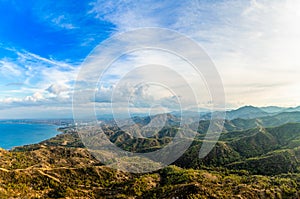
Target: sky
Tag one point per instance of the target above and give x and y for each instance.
(44, 46)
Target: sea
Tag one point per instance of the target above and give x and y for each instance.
(19, 134)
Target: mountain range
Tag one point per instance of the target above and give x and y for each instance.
(256, 156)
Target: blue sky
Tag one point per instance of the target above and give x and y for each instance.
(61, 30)
(40, 39)
(253, 44)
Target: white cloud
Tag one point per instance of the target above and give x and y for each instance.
(128, 15)
(35, 97)
(57, 89)
(251, 42)
(62, 22)
(254, 45)
(41, 82)
(140, 81)
(9, 69)
(27, 100)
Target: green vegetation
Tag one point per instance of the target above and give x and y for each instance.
(172, 181)
(250, 160)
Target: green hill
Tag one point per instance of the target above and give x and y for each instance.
(250, 160)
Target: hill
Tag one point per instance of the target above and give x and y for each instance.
(254, 158)
(56, 169)
(246, 112)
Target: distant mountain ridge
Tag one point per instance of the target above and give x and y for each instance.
(246, 112)
(251, 112)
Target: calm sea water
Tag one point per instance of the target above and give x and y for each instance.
(12, 135)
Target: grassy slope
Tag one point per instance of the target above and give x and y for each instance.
(75, 174)
(61, 167)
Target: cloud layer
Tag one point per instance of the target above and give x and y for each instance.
(254, 45)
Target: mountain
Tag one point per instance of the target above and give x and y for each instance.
(246, 112)
(276, 109)
(243, 142)
(273, 109)
(280, 118)
(254, 158)
(62, 168)
(293, 109)
(266, 121)
(266, 151)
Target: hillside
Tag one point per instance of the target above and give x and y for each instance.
(246, 112)
(64, 171)
(250, 160)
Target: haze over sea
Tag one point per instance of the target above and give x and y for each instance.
(16, 134)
